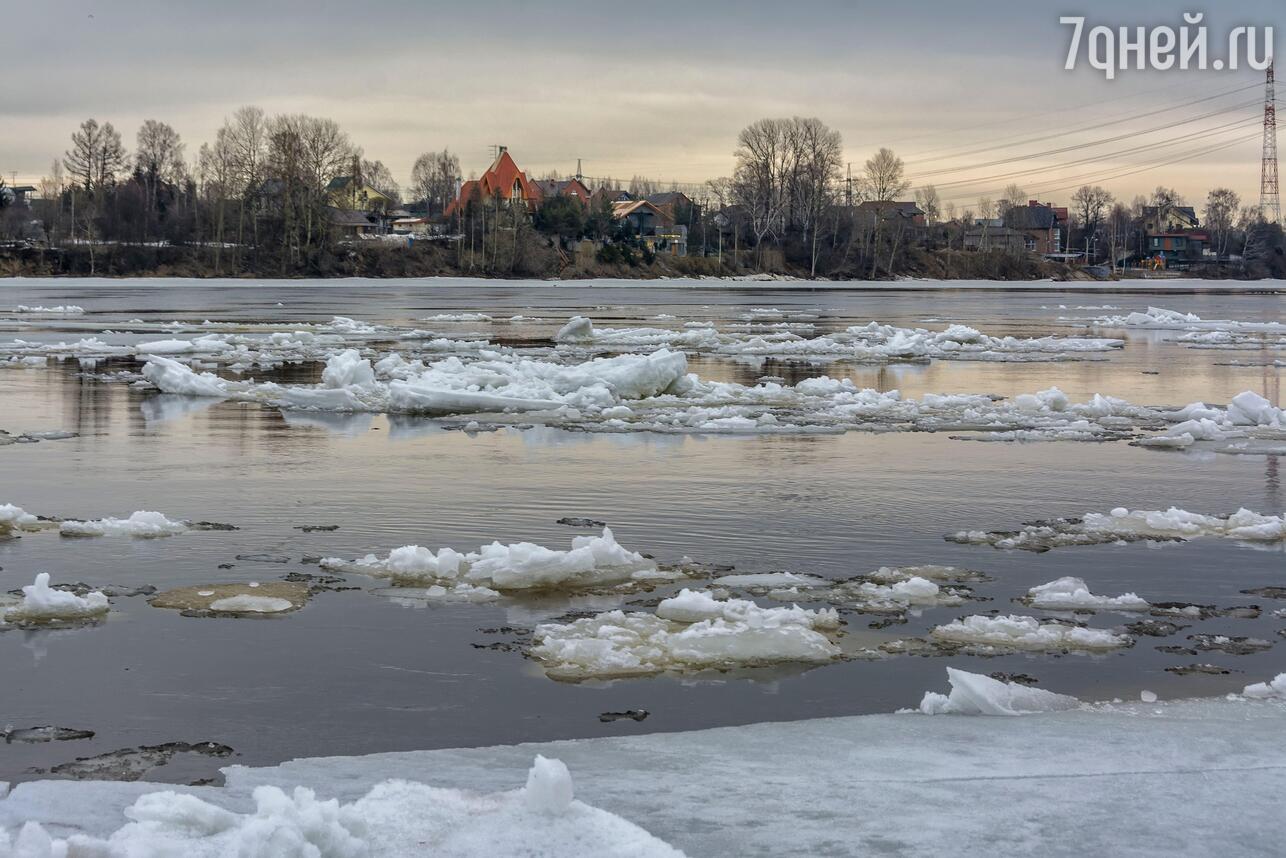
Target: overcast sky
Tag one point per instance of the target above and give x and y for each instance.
(656, 88)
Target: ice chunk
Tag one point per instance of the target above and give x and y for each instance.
(592, 561)
(549, 787)
(42, 603)
(1073, 594)
(394, 818)
(142, 523)
(170, 376)
(60, 310)
(14, 519)
(252, 604)
(577, 328)
(1027, 633)
(722, 635)
(975, 694)
(1274, 688)
(1124, 525)
(346, 369)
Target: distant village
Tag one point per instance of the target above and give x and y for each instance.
(290, 196)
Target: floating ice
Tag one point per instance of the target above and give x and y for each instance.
(1027, 633)
(251, 604)
(1161, 318)
(1073, 594)
(975, 694)
(60, 310)
(1124, 525)
(691, 631)
(42, 603)
(1273, 689)
(15, 519)
(870, 342)
(142, 523)
(395, 818)
(458, 317)
(592, 561)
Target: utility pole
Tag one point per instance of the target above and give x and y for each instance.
(1270, 207)
(848, 187)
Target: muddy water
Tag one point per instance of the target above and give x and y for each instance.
(356, 672)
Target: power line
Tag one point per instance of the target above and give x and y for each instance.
(1093, 127)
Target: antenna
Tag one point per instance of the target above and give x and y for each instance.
(1270, 207)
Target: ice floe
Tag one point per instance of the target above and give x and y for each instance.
(888, 590)
(690, 632)
(252, 598)
(16, 520)
(1016, 632)
(42, 604)
(60, 310)
(542, 819)
(1073, 594)
(144, 524)
(873, 342)
(1125, 525)
(1161, 318)
(975, 694)
(1273, 689)
(592, 561)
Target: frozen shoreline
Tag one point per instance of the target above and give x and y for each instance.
(1191, 777)
(1175, 285)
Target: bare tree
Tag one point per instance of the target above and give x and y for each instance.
(435, 178)
(96, 155)
(765, 165)
(1119, 223)
(158, 160)
(1222, 205)
(819, 156)
(1090, 205)
(1011, 197)
(927, 199)
(884, 177)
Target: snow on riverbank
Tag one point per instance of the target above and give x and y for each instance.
(592, 561)
(1175, 773)
(394, 818)
(1125, 525)
(690, 631)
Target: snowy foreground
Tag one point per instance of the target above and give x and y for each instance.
(1198, 777)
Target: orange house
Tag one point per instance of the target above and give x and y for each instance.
(502, 179)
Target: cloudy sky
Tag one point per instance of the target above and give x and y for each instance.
(969, 94)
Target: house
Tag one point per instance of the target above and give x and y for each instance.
(548, 189)
(611, 195)
(1178, 247)
(18, 195)
(642, 216)
(410, 225)
(675, 204)
(502, 180)
(986, 236)
(668, 240)
(874, 213)
(1161, 219)
(348, 223)
(350, 192)
(1043, 224)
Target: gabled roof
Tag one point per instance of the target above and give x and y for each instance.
(346, 217)
(624, 208)
(890, 208)
(666, 198)
(1031, 217)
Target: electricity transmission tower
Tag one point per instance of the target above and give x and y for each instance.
(1270, 207)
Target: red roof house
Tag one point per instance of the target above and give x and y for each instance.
(502, 179)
